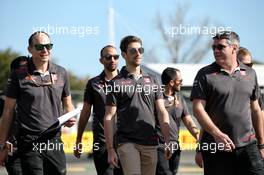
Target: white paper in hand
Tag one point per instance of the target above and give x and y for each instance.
(64, 118)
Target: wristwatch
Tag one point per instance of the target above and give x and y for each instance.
(2, 147)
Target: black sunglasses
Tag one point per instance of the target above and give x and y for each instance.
(249, 64)
(133, 51)
(109, 57)
(40, 47)
(218, 47)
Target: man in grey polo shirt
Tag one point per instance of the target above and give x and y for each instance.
(134, 95)
(39, 88)
(224, 94)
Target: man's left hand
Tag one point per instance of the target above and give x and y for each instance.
(70, 122)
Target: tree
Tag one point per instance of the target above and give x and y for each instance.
(77, 86)
(6, 57)
(181, 46)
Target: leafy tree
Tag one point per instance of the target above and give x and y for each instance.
(6, 57)
(182, 48)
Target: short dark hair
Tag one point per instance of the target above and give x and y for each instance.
(127, 40)
(230, 36)
(17, 61)
(107, 46)
(169, 74)
(30, 40)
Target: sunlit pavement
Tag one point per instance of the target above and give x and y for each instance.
(84, 166)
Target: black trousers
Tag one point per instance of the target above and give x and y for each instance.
(101, 162)
(44, 158)
(241, 161)
(167, 167)
(13, 165)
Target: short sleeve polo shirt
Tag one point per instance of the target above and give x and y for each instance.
(177, 110)
(135, 102)
(228, 99)
(95, 95)
(39, 97)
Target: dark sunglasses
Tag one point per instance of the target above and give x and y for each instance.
(109, 57)
(133, 51)
(40, 47)
(249, 64)
(218, 47)
(179, 81)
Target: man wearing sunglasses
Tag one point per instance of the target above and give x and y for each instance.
(38, 88)
(178, 111)
(224, 95)
(136, 135)
(245, 57)
(94, 96)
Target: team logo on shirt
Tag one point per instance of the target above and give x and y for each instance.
(147, 80)
(124, 82)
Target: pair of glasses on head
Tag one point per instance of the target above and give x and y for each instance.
(218, 47)
(40, 47)
(109, 57)
(133, 51)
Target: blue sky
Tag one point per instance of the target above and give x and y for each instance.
(79, 52)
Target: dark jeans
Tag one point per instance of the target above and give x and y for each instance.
(41, 161)
(167, 167)
(13, 165)
(242, 161)
(100, 161)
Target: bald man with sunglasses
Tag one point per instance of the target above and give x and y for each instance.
(95, 96)
(40, 89)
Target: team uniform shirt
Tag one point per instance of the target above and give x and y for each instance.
(95, 95)
(228, 99)
(177, 110)
(135, 101)
(39, 97)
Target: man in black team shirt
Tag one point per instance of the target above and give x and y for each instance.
(94, 96)
(134, 95)
(224, 94)
(178, 110)
(13, 163)
(245, 57)
(37, 89)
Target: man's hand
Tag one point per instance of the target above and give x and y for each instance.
(78, 150)
(3, 156)
(112, 157)
(225, 140)
(70, 122)
(167, 154)
(199, 159)
(261, 153)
